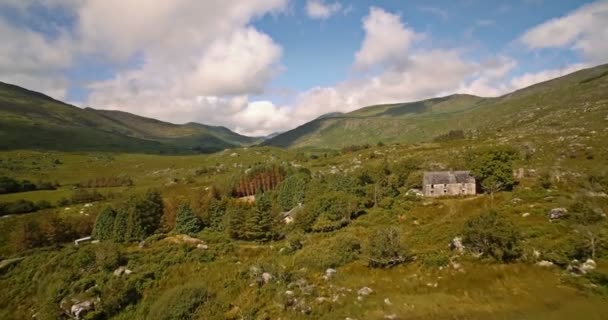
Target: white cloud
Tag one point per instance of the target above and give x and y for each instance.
(386, 39)
(529, 79)
(318, 9)
(585, 30)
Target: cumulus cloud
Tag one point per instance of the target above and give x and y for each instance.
(529, 79)
(584, 30)
(386, 39)
(318, 9)
(204, 61)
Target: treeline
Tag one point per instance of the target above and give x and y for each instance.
(49, 230)
(355, 148)
(107, 182)
(10, 185)
(135, 219)
(79, 196)
(261, 178)
(450, 136)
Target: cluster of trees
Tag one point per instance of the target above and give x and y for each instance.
(355, 148)
(136, 219)
(10, 185)
(450, 136)
(106, 182)
(261, 178)
(255, 222)
(493, 168)
(49, 230)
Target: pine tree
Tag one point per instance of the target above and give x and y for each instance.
(144, 215)
(216, 213)
(104, 225)
(120, 230)
(186, 222)
(258, 225)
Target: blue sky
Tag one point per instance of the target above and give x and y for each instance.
(267, 65)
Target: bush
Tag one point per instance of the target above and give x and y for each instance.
(330, 253)
(328, 211)
(386, 249)
(186, 222)
(180, 303)
(492, 235)
(108, 257)
(144, 215)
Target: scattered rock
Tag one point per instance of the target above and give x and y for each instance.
(516, 200)
(391, 316)
(536, 253)
(457, 245)
(589, 265)
(432, 284)
(321, 299)
(142, 244)
(183, 238)
(525, 214)
(544, 263)
(329, 273)
(289, 293)
(266, 277)
(234, 154)
(388, 302)
(80, 309)
(557, 213)
(365, 291)
(122, 270)
(202, 246)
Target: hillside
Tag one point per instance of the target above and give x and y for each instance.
(31, 120)
(425, 120)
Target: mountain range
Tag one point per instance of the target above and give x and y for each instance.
(31, 120)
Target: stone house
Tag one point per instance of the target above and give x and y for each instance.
(448, 183)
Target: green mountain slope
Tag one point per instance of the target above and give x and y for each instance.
(422, 121)
(30, 119)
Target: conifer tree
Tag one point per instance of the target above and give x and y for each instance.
(120, 230)
(104, 225)
(186, 222)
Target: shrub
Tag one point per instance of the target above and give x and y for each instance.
(86, 196)
(108, 257)
(328, 211)
(582, 212)
(386, 249)
(186, 222)
(492, 235)
(330, 253)
(180, 303)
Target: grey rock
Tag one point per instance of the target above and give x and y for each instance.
(589, 265)
(457, 245)
(557, 213)
(266, 277)
(544, 263)
(80, 309)
(365, 291)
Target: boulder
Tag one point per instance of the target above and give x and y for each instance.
(202, 246)
(415, 192)
(388, 302)
(525, 214)
(329, 273)
(365, 291)
(457, 245)
(266, 277)
(80, 309)
(544, 263)
(122, 270)
(589, 265)
(558, 213)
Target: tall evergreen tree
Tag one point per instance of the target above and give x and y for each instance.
(145, 213)
(104, 224)
(186, 222)
(259, 223)
(121, 222)
(216, 214)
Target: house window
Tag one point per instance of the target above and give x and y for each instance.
(445, 191)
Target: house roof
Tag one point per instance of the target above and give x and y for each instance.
(448, 177)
